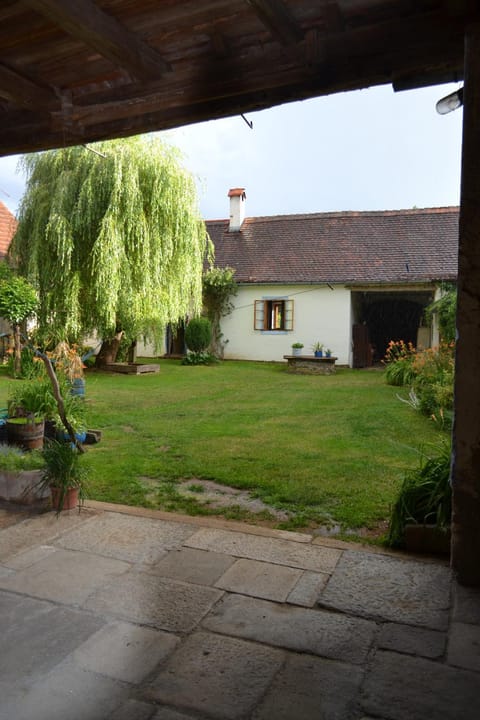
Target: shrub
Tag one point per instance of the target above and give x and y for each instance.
(198, 334)
(434, 371)
(424, 497)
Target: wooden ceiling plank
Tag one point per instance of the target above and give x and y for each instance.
(103, 33)
(22, 92)
(276, 16)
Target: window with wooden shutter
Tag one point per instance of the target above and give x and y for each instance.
(273, 314)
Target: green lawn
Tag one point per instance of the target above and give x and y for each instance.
(320, 447)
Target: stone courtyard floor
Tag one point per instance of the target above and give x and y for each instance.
(127, 613)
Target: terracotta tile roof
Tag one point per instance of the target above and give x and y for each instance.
(394, 246)
(8, 225)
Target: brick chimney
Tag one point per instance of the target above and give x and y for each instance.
(237, 208)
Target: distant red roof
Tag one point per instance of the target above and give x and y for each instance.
(8, 226)
(394, 246)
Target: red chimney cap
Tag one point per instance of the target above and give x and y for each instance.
(236, 192)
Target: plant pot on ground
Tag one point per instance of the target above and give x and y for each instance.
(63, 474)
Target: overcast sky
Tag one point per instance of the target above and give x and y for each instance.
(367, 150)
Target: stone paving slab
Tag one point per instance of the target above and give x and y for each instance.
(40, 530)
(464, 647)
(30, 557)
(309, 687)
(128, 538)
(308, 589)
(384, 588)
(138, 710)
(327, 634)
(124, 651)
(37, 635)
(150, 600)
(281, 552)
(200, 567)
(8, 518)
(259, 579)
(168, 714)
(466, 607)
(64, 576)
(134, 710)
(220, 676)
(66, 693)
(412, 640)
(400, 687)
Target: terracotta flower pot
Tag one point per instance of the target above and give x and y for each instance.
(70, 500)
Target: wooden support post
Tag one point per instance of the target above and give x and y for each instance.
(466, 431)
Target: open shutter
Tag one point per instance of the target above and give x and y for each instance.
(288, 314)
(259, 315)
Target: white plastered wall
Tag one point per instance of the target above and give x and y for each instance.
(320, 313)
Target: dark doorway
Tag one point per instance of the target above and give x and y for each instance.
(175, 340)
(390, 316)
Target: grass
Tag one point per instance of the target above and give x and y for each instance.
(324, 448)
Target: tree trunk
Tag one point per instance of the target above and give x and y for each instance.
(109, 350)
(17, 356)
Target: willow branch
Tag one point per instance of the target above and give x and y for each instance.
(59, 400)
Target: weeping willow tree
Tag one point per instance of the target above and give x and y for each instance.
(112, 238)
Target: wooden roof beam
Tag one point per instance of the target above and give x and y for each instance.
(101, 32)
(21, 92)
(276, 16)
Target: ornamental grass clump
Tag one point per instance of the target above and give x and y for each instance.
(425, 496)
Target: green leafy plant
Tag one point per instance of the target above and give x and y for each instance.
(13, 459)
(218, 289)
(32, 397)
(425, 496)
(445, 308)
(399, 363)
(199, 358)
(317, 346)
(63, 470)
(434, 371)
(298, 345)
(198, 334)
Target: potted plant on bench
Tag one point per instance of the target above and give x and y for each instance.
(317, 349)
(297, 348)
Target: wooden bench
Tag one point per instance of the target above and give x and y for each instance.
(310, 365)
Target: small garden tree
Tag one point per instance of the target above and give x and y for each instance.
(113, 239)
(198, 334)
(18, 301)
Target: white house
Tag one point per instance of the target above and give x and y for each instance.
(351, 280)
